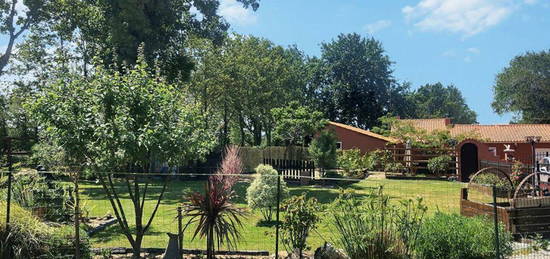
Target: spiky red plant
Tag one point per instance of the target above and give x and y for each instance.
(217, 219)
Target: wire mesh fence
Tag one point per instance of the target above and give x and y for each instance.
(113, 206)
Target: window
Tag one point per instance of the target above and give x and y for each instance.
(493, 150)
(339, 145)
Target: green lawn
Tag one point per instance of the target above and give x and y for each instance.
(438, 195)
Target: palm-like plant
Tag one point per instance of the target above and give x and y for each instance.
(216, 218)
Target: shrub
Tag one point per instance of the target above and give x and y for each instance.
(300, 218)
(351, 161)
(368, 229)
(454, 236)
(49, 156)
(28, 237)
(32, 191)
(518, 173)
(262, 192)
(395, 167)
(377, 159)
(323, 150)
(491, 179)
(439, 164)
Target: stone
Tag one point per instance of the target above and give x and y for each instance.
(328, 251)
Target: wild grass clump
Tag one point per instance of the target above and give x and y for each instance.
(28, 237)
(373, 228)
(454, 236)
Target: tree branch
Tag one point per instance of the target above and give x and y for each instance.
(121, 219)
(157, 205)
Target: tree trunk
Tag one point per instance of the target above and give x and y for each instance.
(136, 248)
(210, 243)
(241, 125)
(257, 133)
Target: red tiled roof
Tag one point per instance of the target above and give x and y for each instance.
(505, 132)
(429, 124)
(362, 131)
(492, 133)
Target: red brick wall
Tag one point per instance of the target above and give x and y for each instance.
(351, 139)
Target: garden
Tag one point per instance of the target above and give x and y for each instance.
(370, 218)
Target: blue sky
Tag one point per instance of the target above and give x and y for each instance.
(460, 42)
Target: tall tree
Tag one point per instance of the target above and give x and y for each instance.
(113, 30)
(438, 101)
(524, 88)
(294, 122)
(241, 81)
(113, 121)
(16, 17)
(353, 79)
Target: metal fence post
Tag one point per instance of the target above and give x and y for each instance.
(10, 179)
(497, 247)
(76, 217)
(277, 215)
(180, 232)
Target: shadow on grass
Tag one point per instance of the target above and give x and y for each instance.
(115, 232)
(266, 223)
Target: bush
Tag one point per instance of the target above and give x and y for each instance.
(439, 164)
(28, 237)
(395, 167)
(352, 162)
(49, 156)
(377, 159)
(52, 200)
(300, 218)
(492, 179)
(454, 236)
(262, 192)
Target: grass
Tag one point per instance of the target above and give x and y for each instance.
(256, 235)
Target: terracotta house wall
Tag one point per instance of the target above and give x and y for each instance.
(522, 152)
(351, 139)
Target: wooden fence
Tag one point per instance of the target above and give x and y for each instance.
(302, 171)
(416, 159)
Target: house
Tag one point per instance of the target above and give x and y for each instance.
(350, 137)
(493, 143)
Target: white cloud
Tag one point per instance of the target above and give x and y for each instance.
(235, 13)
(530, 2)
(473, 50)
(449, 53)
(467, 17)
(379, 25)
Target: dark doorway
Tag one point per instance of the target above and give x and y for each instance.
(468, 161)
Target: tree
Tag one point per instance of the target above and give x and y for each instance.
(114, 29)
(294, 122)
(300, 218)
(114, 121)
(323, 149)
(352, 80)
(216, 218)
(524, 88)
(438, 101)
(262, 192)
(240, 82)
(16, 17)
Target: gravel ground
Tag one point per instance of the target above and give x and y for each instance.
(524, 249)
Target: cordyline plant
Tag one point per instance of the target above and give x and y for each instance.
(217, 219)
